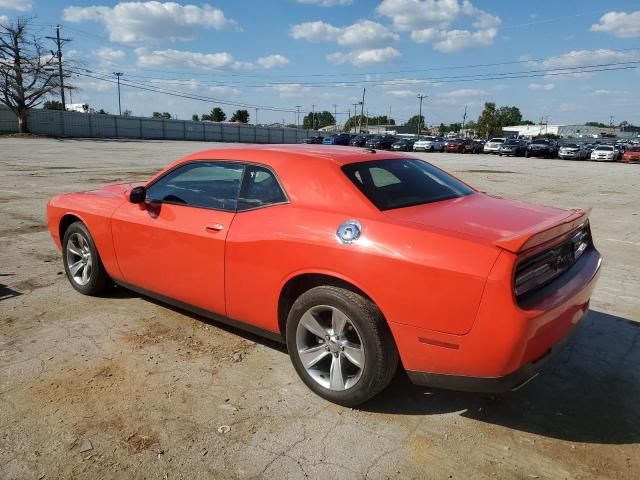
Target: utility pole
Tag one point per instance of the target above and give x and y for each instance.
(298, 116)
(313, 116)
(58, 54)
(611, 121)
(355, 112)
(335, 117)
(546, 125)
(464, 117)
(118, 75)
(420, 98)
(364, 90)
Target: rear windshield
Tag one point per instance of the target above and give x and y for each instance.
(401, 183)
(605, 148)
(634, 149)
(497, 140)
(571, 145)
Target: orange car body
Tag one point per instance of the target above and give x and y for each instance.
(441, 273)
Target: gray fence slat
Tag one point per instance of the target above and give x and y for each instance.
(57, 123)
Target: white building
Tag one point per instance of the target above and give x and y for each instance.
(566, 131)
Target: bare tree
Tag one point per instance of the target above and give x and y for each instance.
(27, 70)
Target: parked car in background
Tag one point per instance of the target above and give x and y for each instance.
(459, 145)
(632, 155)
(588, 148)
(573, 151)
(429, 144)
(542, 147)
(605, 153)
(381, 142)
(301, 244)
(513, 147)
(478, 146)
(339, 139)
(621, 148)
(493, 145)
(403, 145)
(359, 140)
(316, 139)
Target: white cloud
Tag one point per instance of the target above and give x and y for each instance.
(429, 21)
(577, 58)
(94, 86)
(189, 84)
(458, 40)
(223, 90)
(619, 24)
(109, 56)
(271, 61)
(363, 34)
(402, 93)
(327, 3)
(4, 19)
(464, 93)
(182, 58)
(291, 89)
(364, 57)
(609, 93)
(19, 5)
(134, 22)
(541, 86)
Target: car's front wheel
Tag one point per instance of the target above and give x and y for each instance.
(340, 345)
(82, 263)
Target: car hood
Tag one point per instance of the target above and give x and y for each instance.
(490, 220)
(115, 190)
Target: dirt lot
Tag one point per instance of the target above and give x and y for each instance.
(160, 394)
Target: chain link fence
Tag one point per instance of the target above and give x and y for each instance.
(56, 123)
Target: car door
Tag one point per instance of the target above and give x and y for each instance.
(173, 244)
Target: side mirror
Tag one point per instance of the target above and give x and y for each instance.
(138, 195)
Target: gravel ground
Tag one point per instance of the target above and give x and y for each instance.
(123, 387)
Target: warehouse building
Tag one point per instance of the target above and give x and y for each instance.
(568, 131)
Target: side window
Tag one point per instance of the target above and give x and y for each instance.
(200, 184)
(259, 188)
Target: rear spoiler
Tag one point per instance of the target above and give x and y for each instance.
(544, 232)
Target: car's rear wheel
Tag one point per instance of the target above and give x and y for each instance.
(340, 345)
(82, 262)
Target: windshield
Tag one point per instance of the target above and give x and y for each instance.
(497, 140)
(401, 183)
(511, 142)
(540, 142)
(605, 148)
(634, 149)
(427, 139)
(571, 145)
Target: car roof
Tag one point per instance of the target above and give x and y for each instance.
(275, 154)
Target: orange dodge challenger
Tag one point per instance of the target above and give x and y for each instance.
(357, 259)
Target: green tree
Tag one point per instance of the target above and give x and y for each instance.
(195, 117)
(415, 121)
(487, 124)
(508, 116)
(165, 115)
(321, 119)
(596, 124)
(241, 116)
(52, 105)
(216, 115)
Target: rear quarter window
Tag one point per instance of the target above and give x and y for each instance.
(399, 183)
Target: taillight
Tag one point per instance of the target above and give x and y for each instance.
(540, 269)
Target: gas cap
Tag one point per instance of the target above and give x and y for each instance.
(349, 231)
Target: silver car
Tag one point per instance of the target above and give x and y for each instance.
(493, 145)
(573, 151)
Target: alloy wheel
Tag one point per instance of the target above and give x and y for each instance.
(79, 259)
(330, 347)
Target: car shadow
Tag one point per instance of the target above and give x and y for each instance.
(590, 392)
(7, 292)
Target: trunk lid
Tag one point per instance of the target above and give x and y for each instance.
(510, 224)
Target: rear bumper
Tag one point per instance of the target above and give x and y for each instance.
(508, 344)
(505, 383)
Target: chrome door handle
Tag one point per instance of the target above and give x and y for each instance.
(216, 227)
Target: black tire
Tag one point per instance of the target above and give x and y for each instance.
(381, 355)
(526, 154)
(98, 280)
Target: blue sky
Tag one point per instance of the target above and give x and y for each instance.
(282, 53)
